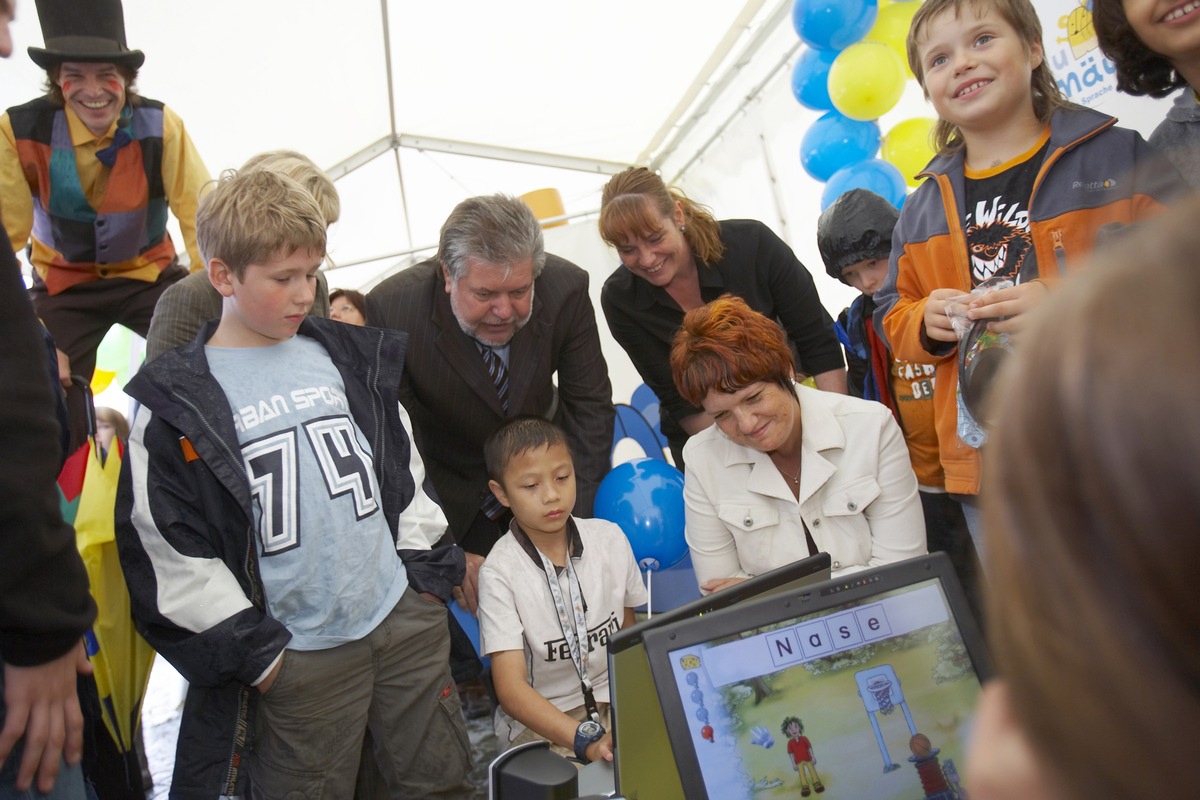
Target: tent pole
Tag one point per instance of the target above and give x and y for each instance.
(752, 95)
(719, 54)
(403, 197)
(776, 194)
(684, 127)
(395, 141)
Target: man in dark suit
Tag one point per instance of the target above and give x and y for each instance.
(491, 320)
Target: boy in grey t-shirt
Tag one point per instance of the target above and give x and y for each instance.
(276, 530)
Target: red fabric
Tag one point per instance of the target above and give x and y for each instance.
(932, 779)
(881, 369)
(800, 749)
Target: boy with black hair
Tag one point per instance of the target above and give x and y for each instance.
(275, 529)
(552, 592)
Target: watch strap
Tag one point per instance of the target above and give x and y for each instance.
(582, 740)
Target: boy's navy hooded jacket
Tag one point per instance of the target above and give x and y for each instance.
(186, 537)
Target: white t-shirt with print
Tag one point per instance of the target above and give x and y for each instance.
(517, 612)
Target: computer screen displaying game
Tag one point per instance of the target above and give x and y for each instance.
(645, 769)
(870, 698)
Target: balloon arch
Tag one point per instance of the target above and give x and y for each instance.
(854, 68)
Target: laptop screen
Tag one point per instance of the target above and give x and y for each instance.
(864, 686)
(645, 769)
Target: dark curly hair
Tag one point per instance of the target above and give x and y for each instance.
(788, 721)
(1140, 70)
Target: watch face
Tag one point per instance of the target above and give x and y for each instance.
(590, 728)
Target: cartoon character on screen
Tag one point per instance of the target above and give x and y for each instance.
(803, 759)
(938, 782)
(881, 693)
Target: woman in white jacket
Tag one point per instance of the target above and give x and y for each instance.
(786, 471)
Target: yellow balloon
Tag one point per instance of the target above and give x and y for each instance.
(102, 379)
(866, 80)
(907, 146)
(891, 28)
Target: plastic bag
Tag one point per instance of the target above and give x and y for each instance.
(981, 351)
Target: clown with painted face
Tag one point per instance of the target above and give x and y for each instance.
(87, 174)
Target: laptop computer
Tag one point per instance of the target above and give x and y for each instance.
(865, 685)
(644, 768)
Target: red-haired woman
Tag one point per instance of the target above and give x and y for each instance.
(786, 471)
(677, 257)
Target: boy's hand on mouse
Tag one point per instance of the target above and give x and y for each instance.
(602, 748)
(937, 324)
(1014, 302)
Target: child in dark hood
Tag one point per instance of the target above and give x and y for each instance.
(854, 236)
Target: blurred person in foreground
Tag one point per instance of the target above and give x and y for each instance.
(45, 607)
(1091, 512)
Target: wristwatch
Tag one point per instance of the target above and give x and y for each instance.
(588, 731)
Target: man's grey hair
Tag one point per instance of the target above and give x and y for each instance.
(496, 229)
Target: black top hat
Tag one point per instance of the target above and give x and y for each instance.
(83, 30)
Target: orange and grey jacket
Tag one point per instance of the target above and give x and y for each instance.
(128, 229)
(1094, 174)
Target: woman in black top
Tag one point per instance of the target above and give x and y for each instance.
(675, 257)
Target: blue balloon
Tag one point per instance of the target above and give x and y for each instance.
(646, 402)
(470, 626)
(630, 424)
(645, 498)
(874, 174)
(835, 141)
(833, 24)
(810, 79)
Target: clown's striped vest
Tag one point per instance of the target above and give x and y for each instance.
(131, 221)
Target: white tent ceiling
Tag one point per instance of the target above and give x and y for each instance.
(592, 86)
(700, 90)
